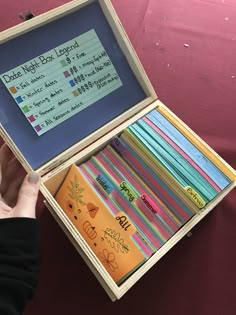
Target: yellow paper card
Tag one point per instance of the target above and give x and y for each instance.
(109, 237)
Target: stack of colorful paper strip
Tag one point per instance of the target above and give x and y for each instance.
(145, 185)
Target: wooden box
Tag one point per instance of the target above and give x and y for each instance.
(32, 38)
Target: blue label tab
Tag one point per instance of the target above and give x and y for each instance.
(105, 183)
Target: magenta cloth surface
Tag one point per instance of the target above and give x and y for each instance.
(188, 50)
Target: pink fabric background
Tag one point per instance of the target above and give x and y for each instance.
(198, 83)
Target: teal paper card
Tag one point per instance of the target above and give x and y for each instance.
(60, 83)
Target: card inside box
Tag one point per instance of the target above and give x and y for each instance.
(81, 140)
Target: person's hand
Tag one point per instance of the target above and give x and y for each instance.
(18, 193)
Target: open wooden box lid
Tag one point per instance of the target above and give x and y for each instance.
(35, 54)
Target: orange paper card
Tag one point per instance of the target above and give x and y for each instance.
(109, 237)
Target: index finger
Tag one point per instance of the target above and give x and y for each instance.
(5, 156)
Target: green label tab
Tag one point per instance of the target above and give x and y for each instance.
(128, 192)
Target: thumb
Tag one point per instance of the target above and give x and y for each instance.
(27, 196)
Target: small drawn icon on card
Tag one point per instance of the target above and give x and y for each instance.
(92, 209)
(89, 230)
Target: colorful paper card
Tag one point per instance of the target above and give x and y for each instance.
(60, 83)
(189, 148)
(147, 195)
(104, 233)
(127, 206)
(129, 190)
(101, 190)
(175, 160)
(182, 153)
(155, 182)
(166, 172)
(213, 158)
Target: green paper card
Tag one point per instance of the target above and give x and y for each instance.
(60, 83)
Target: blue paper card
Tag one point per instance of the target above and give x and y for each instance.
(198, 157)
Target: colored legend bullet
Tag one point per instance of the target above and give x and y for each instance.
(31, 118)
(63, 63)
(72, 83)
(66, 74)
(75, 93)
(19, 99)
(37, 128)
(13, 90)
(25, 109)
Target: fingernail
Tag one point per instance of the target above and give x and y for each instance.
(33, 178)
